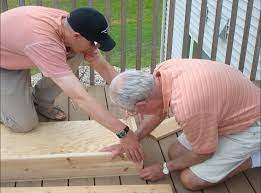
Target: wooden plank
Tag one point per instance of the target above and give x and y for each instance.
(170, 28)
(254, 177)
(108, 18)
(139, 36)
(239, 184)
(55, 183)
(153, 155)
(154, 35)
(245, 35)
(75, 113)
(113, 180)
(185, 46)
(165, 144)
(216, 30)
(166, 128)
(29, 184)
(123, 35)
(219, 188)
(232, 27)
(7, 184)
(256, 52)
(4, 5)
(21, 2)
(201, 28)
(61, 149)
(96, 189)
(81, 182)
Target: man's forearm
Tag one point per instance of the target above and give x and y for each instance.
(148, 125)
(187, 160)
(106, 70)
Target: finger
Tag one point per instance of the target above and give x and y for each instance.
(133, 156)
(138, 155)
(141, 154)
(128, 154)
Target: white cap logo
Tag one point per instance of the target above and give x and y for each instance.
(105, 31)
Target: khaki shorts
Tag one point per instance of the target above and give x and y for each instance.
(232, 151)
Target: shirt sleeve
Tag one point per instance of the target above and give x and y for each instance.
(201, 131)
(49, 57)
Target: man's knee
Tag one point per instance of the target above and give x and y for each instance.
(191, 181)
(176, 150)
(22, 126)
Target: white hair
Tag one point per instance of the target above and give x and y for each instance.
(130, 87)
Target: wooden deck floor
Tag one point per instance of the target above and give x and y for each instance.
(156, 151)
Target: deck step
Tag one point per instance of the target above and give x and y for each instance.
(97, 189)
(58, 150)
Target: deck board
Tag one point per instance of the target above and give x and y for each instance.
(247, 182)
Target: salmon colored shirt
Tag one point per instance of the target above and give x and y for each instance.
(208, 99)
(33, 36)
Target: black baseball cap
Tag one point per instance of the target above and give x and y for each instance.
(92, 25)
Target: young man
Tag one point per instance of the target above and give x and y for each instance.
(55, 42)
(217, 107)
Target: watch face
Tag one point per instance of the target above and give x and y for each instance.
(165, 171)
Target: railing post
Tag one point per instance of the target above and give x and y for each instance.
(216, 30)
(170, 28)
(21, 2)
(257, 51)
(186, 29)
(245, 35)
(154, 35)
(73, 4)
(231, 31)
(4, 5)
(123, 35)
(201, 28)
(108, 18)
(56, 3)
(139, 36)
(39, 2)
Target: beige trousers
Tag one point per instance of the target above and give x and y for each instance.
(18, 98)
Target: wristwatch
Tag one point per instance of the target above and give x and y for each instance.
(121, 134)
(165, 169)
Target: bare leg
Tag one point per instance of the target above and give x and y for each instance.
(192, 182)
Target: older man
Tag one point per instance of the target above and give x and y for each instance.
(217, 107)
(55, 42)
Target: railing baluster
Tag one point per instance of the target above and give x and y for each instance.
(170, 28)
(216, 30)
(74, 4)
(108, 18)
(21, 2)
(256, 52)
(231, 31)
(56, 3)
(186, 29)
(139, 36)
(39, 2)
(154, 35)
(92, 74)
(4, 5)
(201, 28)
(245, 35)
(123, 35)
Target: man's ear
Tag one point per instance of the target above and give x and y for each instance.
(140, 106)
(76, 35)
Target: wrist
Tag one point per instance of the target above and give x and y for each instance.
(123, 133)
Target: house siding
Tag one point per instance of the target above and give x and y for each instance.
(209, 27)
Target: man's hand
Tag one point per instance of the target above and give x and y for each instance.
(132, 147)
(153, 172)
(114, 149)
(92, 55)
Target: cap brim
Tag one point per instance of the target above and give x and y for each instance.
(107, 44)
